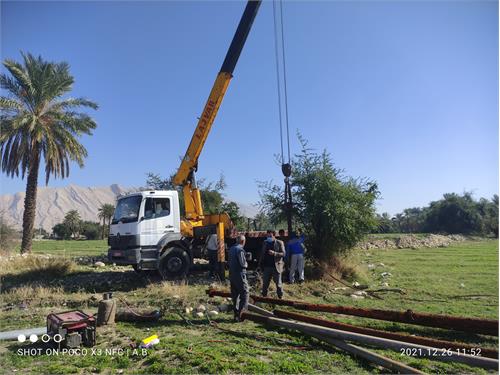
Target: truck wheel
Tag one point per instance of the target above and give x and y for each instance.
(174, 264)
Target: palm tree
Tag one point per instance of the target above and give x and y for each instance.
(106, 211)
(37, 124)
(73, 222)
(100, 215)
(109, 211)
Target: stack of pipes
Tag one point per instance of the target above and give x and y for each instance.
(343, 335)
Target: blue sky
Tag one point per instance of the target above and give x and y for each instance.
(405, 93)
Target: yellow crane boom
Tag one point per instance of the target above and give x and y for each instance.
(185, 176)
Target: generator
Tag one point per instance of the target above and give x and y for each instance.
(71, 329)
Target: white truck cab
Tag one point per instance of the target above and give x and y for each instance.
(146, 230)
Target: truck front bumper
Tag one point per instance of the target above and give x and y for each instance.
(125, 257)
(140, 258)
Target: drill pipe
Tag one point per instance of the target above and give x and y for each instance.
(403, 347)
(368, 355)
(485, 352)
(471, 325)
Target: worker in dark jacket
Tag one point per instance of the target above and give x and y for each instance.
(238, 277)
(272, 263)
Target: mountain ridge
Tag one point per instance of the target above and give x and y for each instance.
(54, 202)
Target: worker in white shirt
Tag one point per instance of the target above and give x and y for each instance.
(212, 245)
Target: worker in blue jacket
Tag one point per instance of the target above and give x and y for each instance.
(295, 248)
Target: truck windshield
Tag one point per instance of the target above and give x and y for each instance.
(127, 209)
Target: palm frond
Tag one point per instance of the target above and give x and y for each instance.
(36, 121)
(8, 104)
(72, 103)
(20, 75)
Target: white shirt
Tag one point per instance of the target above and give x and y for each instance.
(212, 242)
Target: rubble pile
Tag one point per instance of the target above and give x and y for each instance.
(411, 241)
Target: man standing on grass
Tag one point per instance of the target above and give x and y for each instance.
(238, 277)
(212, 245)
(295, 249)
(271, 262)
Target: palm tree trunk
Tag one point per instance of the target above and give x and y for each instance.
(103, 227)
(30, 203)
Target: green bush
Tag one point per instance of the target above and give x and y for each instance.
(335, 210)
(61, 231)
(91, 230)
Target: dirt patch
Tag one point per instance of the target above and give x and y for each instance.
(411, 241)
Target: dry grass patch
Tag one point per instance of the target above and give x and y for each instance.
(32, 293)
(169, 289)
(38, 267)
(344, 267)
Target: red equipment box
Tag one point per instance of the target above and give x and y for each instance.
(74, 327)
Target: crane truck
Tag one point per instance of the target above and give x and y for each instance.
(147, 230)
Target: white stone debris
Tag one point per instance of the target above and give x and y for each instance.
(99, 264)
(355, 296)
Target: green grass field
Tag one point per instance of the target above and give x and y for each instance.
(459, 280)
(70, 248)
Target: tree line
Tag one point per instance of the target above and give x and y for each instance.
(73, 227)
(452, 214)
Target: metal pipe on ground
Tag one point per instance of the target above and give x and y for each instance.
(259, 310)
(13, 335)
(471, 325)
(486, 352)
(137, 316)
(368, 355)
(353, 349)
(414, 350)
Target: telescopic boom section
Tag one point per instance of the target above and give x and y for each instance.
(185, 176)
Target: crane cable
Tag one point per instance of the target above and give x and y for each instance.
(286, 168)
(283, 117)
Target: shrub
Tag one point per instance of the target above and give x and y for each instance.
(8, 237)
(61, 231)
(91, 230)
(335, 210)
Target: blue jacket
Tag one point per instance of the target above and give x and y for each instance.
(295, 246)
(237, 261)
